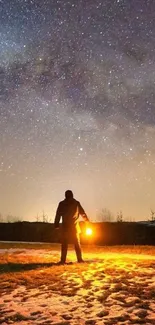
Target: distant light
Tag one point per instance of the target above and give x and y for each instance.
(89, 231)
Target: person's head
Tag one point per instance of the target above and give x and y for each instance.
(69, 194)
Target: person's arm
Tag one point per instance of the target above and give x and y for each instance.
(57, 217)
(82, 212)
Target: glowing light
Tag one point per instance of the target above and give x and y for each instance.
(89, 231)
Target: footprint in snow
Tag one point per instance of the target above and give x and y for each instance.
(67, 317)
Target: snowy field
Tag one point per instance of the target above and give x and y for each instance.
(116, 285)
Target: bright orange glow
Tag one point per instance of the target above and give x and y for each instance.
(89, 231)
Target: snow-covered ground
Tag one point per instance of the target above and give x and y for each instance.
(110, 288)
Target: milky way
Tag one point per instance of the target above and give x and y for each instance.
(77, 106)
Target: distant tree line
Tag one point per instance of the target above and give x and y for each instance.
(104, 233)
(105, 215)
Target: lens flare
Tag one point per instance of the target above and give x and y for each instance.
(89, 231)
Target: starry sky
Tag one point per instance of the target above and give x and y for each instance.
(77, 106)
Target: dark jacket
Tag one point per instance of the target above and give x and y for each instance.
(69, 210)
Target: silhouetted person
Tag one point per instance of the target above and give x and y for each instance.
(70, 210)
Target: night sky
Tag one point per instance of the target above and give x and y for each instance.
(77, 106)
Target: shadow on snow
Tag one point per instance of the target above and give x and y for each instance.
(19, 267)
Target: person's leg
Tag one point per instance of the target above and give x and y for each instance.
(64, 247)
(77, 247)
